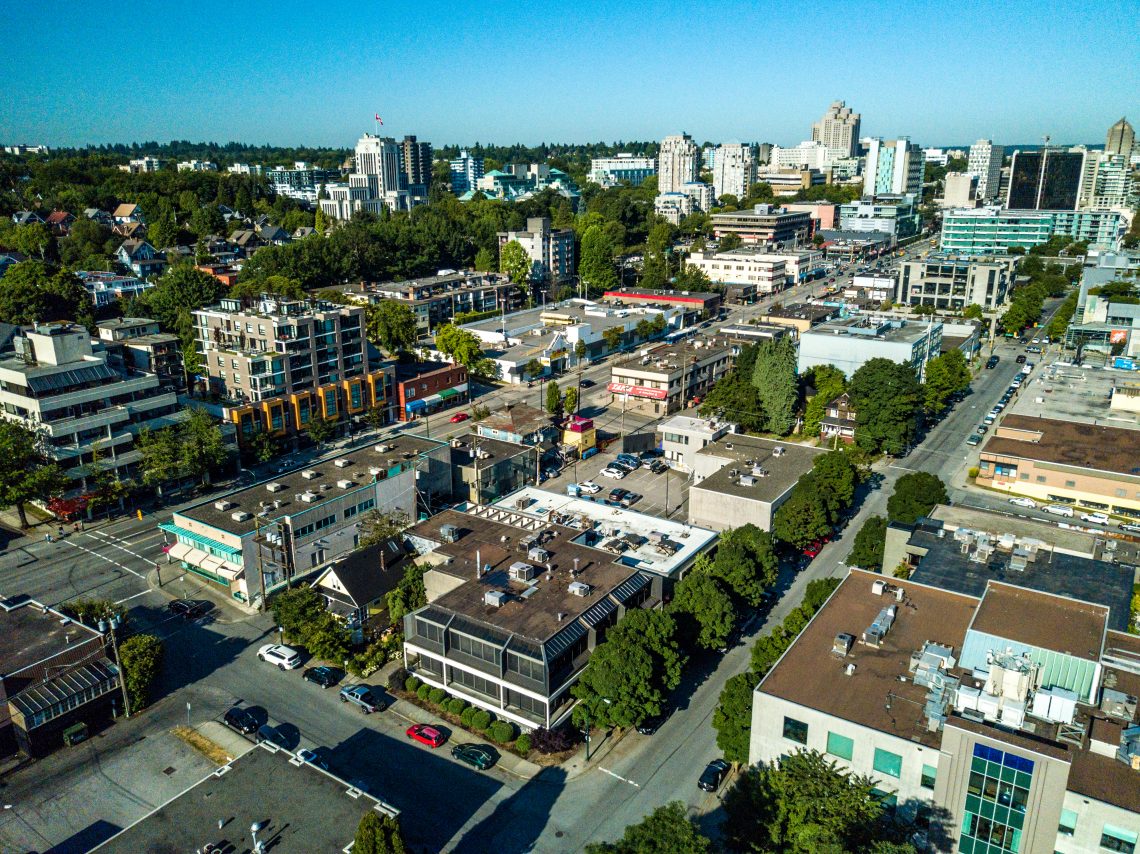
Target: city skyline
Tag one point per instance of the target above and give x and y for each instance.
(217, 83)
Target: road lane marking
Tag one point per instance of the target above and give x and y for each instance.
(102, 557)
(129, 598)
(619, 777)
(103, 539)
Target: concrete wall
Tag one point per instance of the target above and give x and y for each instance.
(1092, 816)
(720, 512)
(1040, 480)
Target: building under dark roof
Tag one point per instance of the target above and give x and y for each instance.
(356, 588)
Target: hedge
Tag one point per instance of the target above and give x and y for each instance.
(466, 715)
(522, 744)
(502, 731)
(412, 684)
(423, 692)
(437, 696)
(481, 720)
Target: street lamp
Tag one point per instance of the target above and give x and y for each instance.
(110, 627)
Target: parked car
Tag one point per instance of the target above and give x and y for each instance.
(658, 466)
(974, 439)
(982, 429)
(618, 494)
(476, 755)
(188, 608)
(713, 775)
(615, 473)
(551, 473)
(630, 498)
(362, 696)
(265, 732)
(285, 657)
(425, 734)
(323, 676)
(1095, 518)
(651, 454)
(629, 459)
(989, 418)
(1032, 349)
(1058, 510)
(458, 416)
(1023, 502)
(623, 465)
(312, 758)
(1020, 358)
(1132, 529)
(241, 720)
(992, 362)
(587, 383)
(589, 487)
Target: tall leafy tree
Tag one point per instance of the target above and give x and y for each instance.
(459, 345)
(888, 401)
(409, 594)
(596, 264)
(26, 473)
(746, 562)
(946, 375)
(32, 239)
(836, 476)
(828, 382)
(35, 292)
(392, 326)
(485, 260)
(378, 834)
(732, 717)
(915, 495)
(803, 518)
(163, 232)
(666, 830)
(553, 398)
(182, 288)
(706, 608)
(514, 261)
(774, 375)
(201, 445)
(141, 657)
(867, 550)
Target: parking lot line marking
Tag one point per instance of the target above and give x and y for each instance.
(619, 777)
(101, 557)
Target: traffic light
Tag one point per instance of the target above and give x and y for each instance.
(139, 514)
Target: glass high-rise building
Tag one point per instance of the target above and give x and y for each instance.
(1045, 180)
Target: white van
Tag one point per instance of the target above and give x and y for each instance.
(1058, 510)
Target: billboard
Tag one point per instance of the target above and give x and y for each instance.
(1118, 336)
(638, 391)
(1122, 363)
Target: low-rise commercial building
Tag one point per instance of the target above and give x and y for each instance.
(1064, 462)
(254, 541)
(950, 281)
(667, 378)
(1004, 719)
(485, 469)
(694, 304)
(855, 245)
(765, 224)
(423, 388)
(789, 182)
(800, 316)
(622, 168)
(682, 436)
(763, 273)
(896, 215)
(739, 480)
(824, 215)
(849, 344)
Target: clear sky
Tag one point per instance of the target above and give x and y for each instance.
(312, 73)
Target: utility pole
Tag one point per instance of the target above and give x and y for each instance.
(260, 567)
(110, 627)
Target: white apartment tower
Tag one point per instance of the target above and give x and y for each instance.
(734, 169)
(838, 130)
(379, 159)
(985, 162)
(893, 166)
(678, 163)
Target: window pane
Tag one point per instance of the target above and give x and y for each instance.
(796, 731)
(1068, 822)
(840, 745)
(888, 763)
(929, 774)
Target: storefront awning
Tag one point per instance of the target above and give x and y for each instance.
(414, 405)
(428, 401)
(186, 534)
(178, 551)
(446, 393)
(220, 567)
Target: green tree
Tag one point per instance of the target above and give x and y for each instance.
(533, 369)
(32, 239)
(163, 232)
(774, 375)
(803, 518)
(320, 430)
(729, 242)
(514, 261)
(91, 611)
(392, 326)
(459, 345)
(35, 292)
(553, 398)
(596, 264)
(207, 220)
(295, 609)
(732, 717)
(707, 609)
(379, 527)
(613, 337)
(667, 830)
(835, 477)
(202, 447)
(161, 456)
(802, 804)
(887, 399)
(570, 401)
(26, 473)
(657, 631)
(181, 289)
(580, 350)
(408, 594)
(973, 311)
(484, 260)
(378, 833)
(140, 656)
(828, 382)
(746, 562)
(946, 375)
(658, 248)
(320, 222)
(915, 495)
(867, 550)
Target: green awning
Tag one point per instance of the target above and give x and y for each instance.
(446, 393)
(179, 531)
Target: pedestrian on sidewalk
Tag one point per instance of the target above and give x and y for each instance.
(48, 538)
(59, 532)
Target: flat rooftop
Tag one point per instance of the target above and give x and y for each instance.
(549, 319)
(802, 311)
(497, 448)
(1068, 393)
(589, 517)
(1069, 443)
(663, 295)
(692, 424)
(1042, 620)
(1074, 542)
(497, 541)
(746, 455)
(29, 635)
(400, 452)
(866, 328)
(676, 355)
(307, 809)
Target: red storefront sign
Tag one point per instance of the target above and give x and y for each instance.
(638, 391)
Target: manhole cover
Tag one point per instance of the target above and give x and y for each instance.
(558, 834)
(168, 770)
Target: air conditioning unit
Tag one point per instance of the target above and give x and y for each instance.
(383, 448)
(344, 484)
(241, 516)
(342, 463)
(308, 497)
(309, 474)
(495, 598)
(520, 571)
(275, 487)
(579, 588)
(374, 471)
(223, 505)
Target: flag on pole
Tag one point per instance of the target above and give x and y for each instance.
(378, 119)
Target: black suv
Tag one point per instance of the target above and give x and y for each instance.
(713, 775)
(326, 677)
(992, 362)
(187, 608)
(241, 719)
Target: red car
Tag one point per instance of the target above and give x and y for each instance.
(459, 416)
(816, 547)
(425, 734)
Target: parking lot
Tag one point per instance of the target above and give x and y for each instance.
(665, 494)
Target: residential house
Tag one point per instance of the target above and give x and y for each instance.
(106, 288)
(9, 257)
(838, 420)
(140, 257)
(303, 231)
(26, 217)
(127, 212)
(60, 223)
(246, 240)
(356, 588)
(130, 229)
(99, 216)
(273, 235)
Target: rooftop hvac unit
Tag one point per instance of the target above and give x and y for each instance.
(344, 484)
(877, 587)
(538, 555)
(728, 446)
(850, 668)
(275, 487)
(988, 705)
(843, 643)
(374, 471)
(383, 449)
(308, 497)
(520, 571)
(276, 503)
(325, 487)
(1117, 704)
(448, 533)
(342, 463)
(495, 598)
(1013, 713)
(309, 474)
(579, 588)
(241, 516)
(747, 480)
(264, 511)
(223, 505)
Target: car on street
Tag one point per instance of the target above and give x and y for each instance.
(458, 416)
(658, 466)
(311, 757)
(615, 473)
(1020, 358)
(982, 429)
(713, 775)
(326, 677)
(651, 454)
(992, 362)
(1032, 349)
(1058, 510)
(1023, 502)
(362, 697)
(273, 735)
(974, 439)
(285, 657)
(476, 755)
(589, 487)
(815, 548)
(587, 383)
(1095, 518)
(426, 734)
(551, 473)
(187, 608)
(241, 720)
(989, 418)
(1130, 528)
(1036, 340)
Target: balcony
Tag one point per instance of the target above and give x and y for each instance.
(79, 423)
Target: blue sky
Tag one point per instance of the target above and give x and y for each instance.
(310, 73)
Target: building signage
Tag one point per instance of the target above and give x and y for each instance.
(638, 391)
(1118, 336)
(1122, 363)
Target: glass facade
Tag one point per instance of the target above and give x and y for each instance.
(796, 731)
(996, 798)
(840, 745)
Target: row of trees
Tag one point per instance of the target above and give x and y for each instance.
(819, 499)
(914, 496)
(1028, 300)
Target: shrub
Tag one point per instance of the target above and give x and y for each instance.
(553, 741)
(466, 714)
(522, 744)
(423, 692)
(972, 472)
(412, 684)
(437, 696)
(481, 720)
(502, 731)
(398, 679)
(456, 705)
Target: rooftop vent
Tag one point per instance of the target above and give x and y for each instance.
(495, 598)
(383, 449)
(345, 484)
(850, 668)
(241, 516)
(325, 487)
(309, 474)
(223, 505)
(538, 555)
(308, 497)
(275, 487)
(342, 463)
(843, 643)
(747, 480)
(579, 588)
(520, 571)
(448, 533)
(777, 452)
(1117, 704)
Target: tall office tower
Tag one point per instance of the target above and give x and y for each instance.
(1121, 139)
(378, 158)
(734, 169)
(416, 161)
(1046, 180)
(893, 166)
(678, 163)
(465, 172)
(838, 130)
(985, 162)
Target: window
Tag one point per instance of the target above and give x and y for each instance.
(840, 745)
(1117, 839)
(1122, 493)
(1070, 483)
(1040, 478)
(929, 775)
(796, 731)
(1068, 823)
(888, 763)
